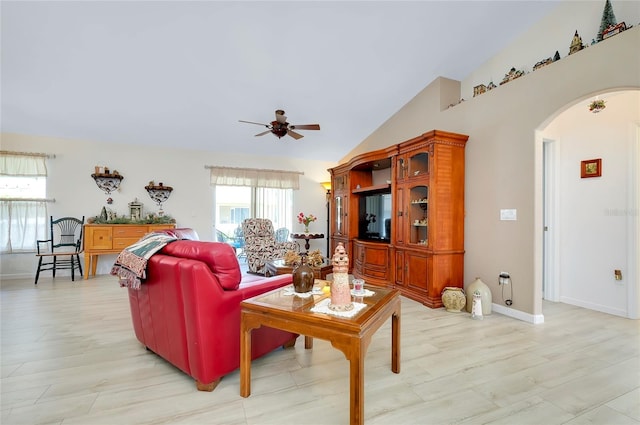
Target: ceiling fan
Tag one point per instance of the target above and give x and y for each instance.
(280, 127)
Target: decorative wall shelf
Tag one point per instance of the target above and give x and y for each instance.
(159, 194)
(108, 182)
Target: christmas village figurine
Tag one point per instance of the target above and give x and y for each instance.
(608, 28)
(608, 24)
(576, 44)
(478, 90)
(547, 61)
(340, 291)
(511, 75)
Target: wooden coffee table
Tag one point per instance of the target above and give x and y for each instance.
(276, 267)
(352, 336)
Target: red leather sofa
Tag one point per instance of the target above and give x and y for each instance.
(187, 310)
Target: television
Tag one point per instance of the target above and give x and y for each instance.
(374, 217)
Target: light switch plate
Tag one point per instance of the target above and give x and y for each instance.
(508, 215)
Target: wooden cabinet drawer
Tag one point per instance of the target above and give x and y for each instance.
(98, 238)
(153, 228)
(122, 243)
(375, 272)
(129, 232)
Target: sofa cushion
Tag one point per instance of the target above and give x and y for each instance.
(180, 233)
(218, 256)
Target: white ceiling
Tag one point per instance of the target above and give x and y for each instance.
(176, 73)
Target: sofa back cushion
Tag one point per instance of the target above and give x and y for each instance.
(180, 233)
(218, 256)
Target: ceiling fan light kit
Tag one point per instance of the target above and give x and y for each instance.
(280, 127)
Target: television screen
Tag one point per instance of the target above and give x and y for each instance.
(374, 221)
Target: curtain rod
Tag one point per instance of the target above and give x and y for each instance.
(41, 155)
(209, 167)
(28, 199)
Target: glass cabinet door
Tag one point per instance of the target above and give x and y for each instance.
(418, 165)
(418, 214)
(339, 215)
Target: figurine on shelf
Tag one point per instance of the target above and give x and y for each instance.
(511, 75)
(576, 44)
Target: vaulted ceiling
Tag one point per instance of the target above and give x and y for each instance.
(179, 73)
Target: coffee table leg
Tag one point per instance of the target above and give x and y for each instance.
(395, 341)
(245, 358)
(356, 366)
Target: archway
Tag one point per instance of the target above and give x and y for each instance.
(589, 226)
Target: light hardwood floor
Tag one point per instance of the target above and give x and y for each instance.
(69, 356)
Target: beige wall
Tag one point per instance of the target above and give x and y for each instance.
(191, 202)
(502, 161)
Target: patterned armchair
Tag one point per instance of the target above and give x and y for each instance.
(260, 244)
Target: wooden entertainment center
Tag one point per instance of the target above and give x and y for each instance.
(399, 212)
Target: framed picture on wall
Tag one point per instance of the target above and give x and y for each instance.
(591, 168)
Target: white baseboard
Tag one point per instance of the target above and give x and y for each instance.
(536, 319)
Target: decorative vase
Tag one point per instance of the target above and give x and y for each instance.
(453, 299)
(485, 296)
(306, 229)
(303, 277)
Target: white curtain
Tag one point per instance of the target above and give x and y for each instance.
(254, 177)
(21, 225)
(22, 164)
(23, 220)
(276, 205)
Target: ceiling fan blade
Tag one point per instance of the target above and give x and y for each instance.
(263, 133)
(257, 123)
(305, 127)
(294, 134)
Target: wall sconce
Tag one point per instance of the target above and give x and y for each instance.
(327, 187)
(158, 194)
(105, 180)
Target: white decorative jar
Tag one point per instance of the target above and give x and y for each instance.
(485, 296)
(453, 299)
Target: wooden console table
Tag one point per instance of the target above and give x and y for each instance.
(307, 237)
(101, 239)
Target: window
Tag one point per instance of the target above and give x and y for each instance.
(236, 203)
(233, 205)
(23, 206)
(249, 192)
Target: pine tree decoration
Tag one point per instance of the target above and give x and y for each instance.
(608, 19)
